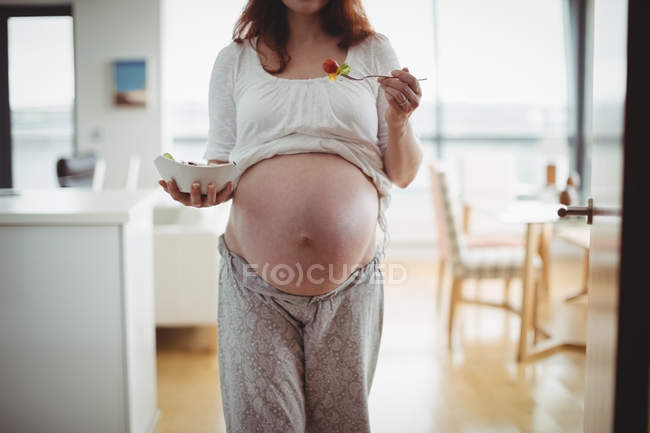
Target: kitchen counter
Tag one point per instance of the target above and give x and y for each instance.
(71, 206)
(77, 336)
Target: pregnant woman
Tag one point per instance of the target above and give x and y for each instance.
(301, 289)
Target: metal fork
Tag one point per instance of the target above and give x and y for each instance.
(370, 76)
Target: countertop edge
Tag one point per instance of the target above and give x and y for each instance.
(84, 218)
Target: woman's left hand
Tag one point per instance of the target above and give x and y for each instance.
(403, 94)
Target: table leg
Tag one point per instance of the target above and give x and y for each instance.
(528, 298)
(467, 217)
(585, 271)
(527, 352)
(545, 254)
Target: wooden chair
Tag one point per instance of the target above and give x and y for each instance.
(472, 263)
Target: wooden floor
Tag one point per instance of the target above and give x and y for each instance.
(420, 386)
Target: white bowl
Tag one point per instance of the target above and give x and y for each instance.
(185, 174)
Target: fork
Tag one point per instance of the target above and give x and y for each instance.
(370, 76)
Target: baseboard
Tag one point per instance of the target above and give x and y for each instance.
(187, 338)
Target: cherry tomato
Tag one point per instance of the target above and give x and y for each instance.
(330, 66)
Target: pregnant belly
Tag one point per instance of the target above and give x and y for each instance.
(304, 221)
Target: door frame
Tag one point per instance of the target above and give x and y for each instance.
(6, 12)
(631, 389)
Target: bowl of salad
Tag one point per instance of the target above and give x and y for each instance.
(187, 172)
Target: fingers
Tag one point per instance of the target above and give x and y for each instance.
(413, 99)
(224, 194)
(406, 92)
(395, 83)
(393, 103)
(211, 198)
(405, 76)
(399, 101)
(407, 85)
(194, 198)
(402, 81)
(176, 194)
(195, 195)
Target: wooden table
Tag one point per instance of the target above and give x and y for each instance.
(539, 218)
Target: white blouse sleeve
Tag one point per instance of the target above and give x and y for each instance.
(385, 62)
(222, 132)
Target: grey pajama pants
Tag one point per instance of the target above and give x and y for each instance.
(291, 363)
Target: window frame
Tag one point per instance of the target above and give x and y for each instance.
(6, 12)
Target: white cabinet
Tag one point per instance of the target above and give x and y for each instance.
(186, 262)
(77, 341)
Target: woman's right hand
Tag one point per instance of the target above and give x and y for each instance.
(194, 199)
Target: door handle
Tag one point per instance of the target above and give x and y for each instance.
(589, 211)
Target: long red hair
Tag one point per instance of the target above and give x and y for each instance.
(268, 19)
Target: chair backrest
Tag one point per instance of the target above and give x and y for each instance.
(448, 235)
(100, 175)
(131, 183)
(77, 171)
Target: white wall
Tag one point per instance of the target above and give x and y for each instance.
(105, 31)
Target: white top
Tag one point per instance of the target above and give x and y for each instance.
(255, 115)
(72, 206)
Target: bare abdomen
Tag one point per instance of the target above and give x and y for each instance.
(304, 221)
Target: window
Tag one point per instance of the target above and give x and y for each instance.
(501, 72)
(503, 77)
(193, 33)
(41, 97)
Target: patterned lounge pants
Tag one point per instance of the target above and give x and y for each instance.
(291, 363)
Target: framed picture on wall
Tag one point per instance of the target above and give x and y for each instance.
(130, 83)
